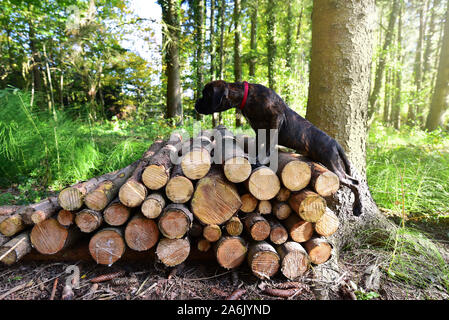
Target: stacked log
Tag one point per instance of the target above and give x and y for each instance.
(276, 221)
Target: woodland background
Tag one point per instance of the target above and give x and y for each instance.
(76, 101)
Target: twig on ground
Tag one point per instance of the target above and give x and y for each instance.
(236, 295)
(107, 277)
(53, 291)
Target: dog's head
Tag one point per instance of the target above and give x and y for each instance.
(214, 99)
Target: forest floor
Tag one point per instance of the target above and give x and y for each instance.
(367, 273)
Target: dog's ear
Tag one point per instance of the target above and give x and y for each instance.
(220, 95)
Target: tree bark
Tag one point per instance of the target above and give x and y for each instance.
(253, 41)
(439, 98)
(13, 250)
(271, 44)
(382, 61)
(170, 15)
(237, 54)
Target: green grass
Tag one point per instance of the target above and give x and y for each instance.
(412, 163)
(408, 256)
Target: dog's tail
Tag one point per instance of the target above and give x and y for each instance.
(346, 163)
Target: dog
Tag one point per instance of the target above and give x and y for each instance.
(265, 109)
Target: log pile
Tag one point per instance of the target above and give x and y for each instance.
(276, 221)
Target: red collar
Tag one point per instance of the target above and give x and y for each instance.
(245, 95)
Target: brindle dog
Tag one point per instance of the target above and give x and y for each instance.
(264, 109)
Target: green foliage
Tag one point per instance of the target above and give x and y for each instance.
(409, 168)
(36, 149)
(410, 256)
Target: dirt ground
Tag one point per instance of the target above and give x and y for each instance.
(153, 281)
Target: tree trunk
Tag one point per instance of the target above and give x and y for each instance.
(414, 109)
(439, 98)
(213, 51)
(199, 6)
(271, 45)
(397, 100)
(170, 15)
(253, 41)
(382, 61)
(237, 55)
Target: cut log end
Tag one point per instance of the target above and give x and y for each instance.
(328, 224)
(196, 163)
(234, 226)
(264, 207)
(88, 220)
(179, 189)
(263, 183)
(215, 200)
(299, 230)
(153, 206)
(175, 221)
(12, 225)
(309, 205)
(319, 250)
(66, 218)
(231, 252)
(203, 245)
(212, 232)
(257, 226)
(116, 214)
(249, 203)
(107, 246)
(141, 233)
(49, 236)
(295, 261)
(326, 184)
(99, 198)
(15, 249)
(155, 176)
(296, 175)
(283, 194)
(281, 210)
(237, 169)
(263, 260)
(70, 199)
(132, 193)
(172, 252)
